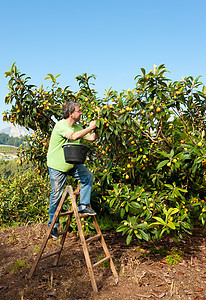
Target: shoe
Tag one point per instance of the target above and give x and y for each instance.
(54, 234)
(88, 210)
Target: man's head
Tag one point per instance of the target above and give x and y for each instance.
(71, 109)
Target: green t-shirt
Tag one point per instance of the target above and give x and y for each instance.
(55, 155)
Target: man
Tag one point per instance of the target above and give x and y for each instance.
(64, 130)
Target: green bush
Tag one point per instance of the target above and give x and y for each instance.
(24, 199)
(149, 162)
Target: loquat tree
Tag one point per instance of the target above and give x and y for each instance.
(149, 162)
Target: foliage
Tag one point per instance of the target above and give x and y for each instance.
(24, 199)
(8, 149)
(150, 158)
(20, 263)
(6, 139)
(11, 168)
(174, 257)
(168, 223)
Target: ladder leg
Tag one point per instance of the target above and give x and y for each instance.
(39, 254)
(105, 248)
(63, 238)
(64, 196)
(82, 238)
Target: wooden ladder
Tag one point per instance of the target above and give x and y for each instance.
(99, 236)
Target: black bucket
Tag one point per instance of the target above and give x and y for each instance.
(75, 153)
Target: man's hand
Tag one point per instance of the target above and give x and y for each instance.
(93, 124)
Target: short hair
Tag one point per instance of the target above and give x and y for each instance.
(68, 107)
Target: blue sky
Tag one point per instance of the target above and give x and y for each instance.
(112, 39)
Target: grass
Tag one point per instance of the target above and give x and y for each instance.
(36, 249)
(18, 265)
(13, 238)
(174, 257)
(105, 264)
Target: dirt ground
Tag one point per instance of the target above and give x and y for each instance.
(154, 270)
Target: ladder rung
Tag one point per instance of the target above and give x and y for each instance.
(62, 232)
(93, 238)
(77, 193)
(50, 254)
(66, 213)
(101, 261)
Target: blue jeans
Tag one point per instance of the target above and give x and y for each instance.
(58, 179)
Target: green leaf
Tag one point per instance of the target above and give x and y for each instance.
(186, 225)
(57, 76)
(154, 224)
(121, 228)
(51, 76)
(183, 190)
(163, 230)
(162, 164)
(169, 186)
(135, 205)
(144, 235)
(122, 212)
(143, 71)
(142, 225)
(160, 220)
(172, 153)
(134, 196)
(97, 123)
(108, 135)
(120, 102)
(198, 160)
(171, 225)
(127, 207)
(138, 236)
(128, 239)
(163, 153)
(204, 90)
(172, 211)
(101, 120)
(128, 122)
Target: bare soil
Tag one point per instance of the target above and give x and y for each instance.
(146, 270)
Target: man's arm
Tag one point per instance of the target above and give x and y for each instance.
(81, 133)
